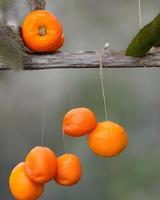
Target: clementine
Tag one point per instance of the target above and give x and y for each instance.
(68, 170)
(22, 188)
(42, 31)
(40, 164)
(108, 139)
(78, 122)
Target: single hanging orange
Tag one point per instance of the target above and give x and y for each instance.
(41, 164)
(22, 188)
(78, 122)
(108, 139)
(69, 170)
(42, 31)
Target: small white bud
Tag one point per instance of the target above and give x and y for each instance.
(106, 45)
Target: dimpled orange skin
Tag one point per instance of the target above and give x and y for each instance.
(108, 139)
(59, 44)
(78, 122)
(50, 40)
(69, 170)
(41, 164)
(22, 188)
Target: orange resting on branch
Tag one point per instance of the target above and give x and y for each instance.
(42, 31)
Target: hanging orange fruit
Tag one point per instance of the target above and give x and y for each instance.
(42, 31)
(22, 187)
(40, 164)
(108, 139)
(78, 122)
(68, 170)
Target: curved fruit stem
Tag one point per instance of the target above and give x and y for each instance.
(37, 4)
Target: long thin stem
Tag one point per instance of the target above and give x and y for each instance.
(64, 142)
(102, 80)
(71, 100)
(43, 128)
(43, 110)
(140, 14)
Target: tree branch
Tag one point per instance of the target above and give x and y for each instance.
(76, 60)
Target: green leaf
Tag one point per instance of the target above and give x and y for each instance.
(148, 37)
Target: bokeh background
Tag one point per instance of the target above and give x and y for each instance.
(133, 100)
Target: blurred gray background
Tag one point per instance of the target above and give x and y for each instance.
(133, 100)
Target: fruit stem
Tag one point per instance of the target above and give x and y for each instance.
(42, 31)
(37, 4)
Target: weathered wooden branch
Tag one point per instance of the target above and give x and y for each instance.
(76, 60)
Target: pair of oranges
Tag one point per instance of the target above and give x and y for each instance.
(28, 178)
(42, 31)
(106, 138)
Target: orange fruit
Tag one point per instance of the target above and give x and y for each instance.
(22, 187)
(78, 122)
(42, 31)
(40, 164)
(108, 139)
(68, 170)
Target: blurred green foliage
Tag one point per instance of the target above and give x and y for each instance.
(148, 37)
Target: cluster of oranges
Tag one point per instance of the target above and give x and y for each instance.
(41, 165)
